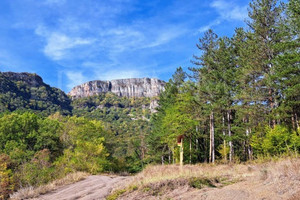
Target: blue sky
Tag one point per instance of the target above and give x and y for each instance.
(68, 42)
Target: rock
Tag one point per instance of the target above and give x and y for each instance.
(153, 105)
(30, 79)
(132, 87)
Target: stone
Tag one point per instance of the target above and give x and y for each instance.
(131, 87)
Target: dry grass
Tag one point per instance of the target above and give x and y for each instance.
(283, 174)
(31, 192)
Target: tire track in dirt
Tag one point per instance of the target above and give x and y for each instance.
(92, 188)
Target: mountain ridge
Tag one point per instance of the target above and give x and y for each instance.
(130, 87)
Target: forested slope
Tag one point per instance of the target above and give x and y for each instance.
(26, 91)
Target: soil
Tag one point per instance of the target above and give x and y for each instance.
(92, 188)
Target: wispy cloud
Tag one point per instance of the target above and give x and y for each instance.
(53, 2)
(75, 78)
(110, 39)
(58, 44)
(210, 25)
(227, 11)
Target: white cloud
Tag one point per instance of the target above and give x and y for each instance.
(210, 25)
(229, 11)
(75, 78)
(58, 44)
(166, 35)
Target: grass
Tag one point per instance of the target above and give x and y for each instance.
(156, 180)
(31, 192)
(114, 195)
(200, 183)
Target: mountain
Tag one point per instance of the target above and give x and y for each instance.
(133, 87)
(27, 91)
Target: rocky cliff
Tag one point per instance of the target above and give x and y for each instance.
(133, 87)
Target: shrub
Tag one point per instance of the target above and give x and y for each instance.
(6, 179)
(36, 172)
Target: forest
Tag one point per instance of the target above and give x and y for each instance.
(241, 98)
(238, 101)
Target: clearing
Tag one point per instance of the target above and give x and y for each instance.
(271, 180)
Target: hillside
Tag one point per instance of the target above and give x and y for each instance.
(127, 119)
(26, 91)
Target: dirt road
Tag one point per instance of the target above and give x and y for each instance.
(92, 188)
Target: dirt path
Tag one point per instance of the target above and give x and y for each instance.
(92, 188)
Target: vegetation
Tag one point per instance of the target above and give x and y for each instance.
(36, 150)
(27, 91)
(256, 179)
(242, 100)
(127, 120)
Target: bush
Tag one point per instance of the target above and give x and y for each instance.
(6, 179)
(36, 172)
(277, 141)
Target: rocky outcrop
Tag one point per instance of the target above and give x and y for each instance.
(132, 87)
(33, 80)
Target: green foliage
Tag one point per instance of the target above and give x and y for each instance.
(201, 182)
(276, 141)
(37, 171)
(6, 177)
(243, 96)
(126, 121)
(38, 149)
(89, 156)
(24, 91)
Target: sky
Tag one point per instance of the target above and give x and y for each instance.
(69, 42)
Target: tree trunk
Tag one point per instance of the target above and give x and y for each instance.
(272, 105)
(249, 148)
(224, 141)
(229, 134)
(162, 155)
(181, 153)
(296, 120)
(190, 149)
(169, 156)
(212, 139)
(293, 122)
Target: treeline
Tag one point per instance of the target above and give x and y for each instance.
(242, 99)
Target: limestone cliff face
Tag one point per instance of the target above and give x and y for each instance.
(132, 87)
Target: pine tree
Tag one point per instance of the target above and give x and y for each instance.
(264, 34)
(287, 73)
